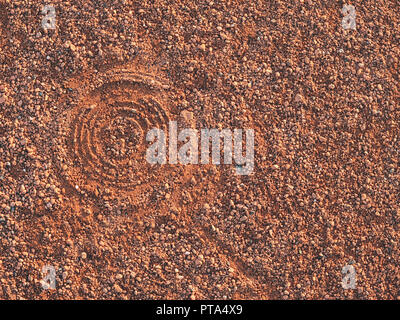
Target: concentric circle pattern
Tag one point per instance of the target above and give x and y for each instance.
(103, 148)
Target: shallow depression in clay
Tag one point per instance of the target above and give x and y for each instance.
(103, 137)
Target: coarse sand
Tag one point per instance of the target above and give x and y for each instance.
(77, 195)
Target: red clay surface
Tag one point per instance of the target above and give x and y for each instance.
(76, 192)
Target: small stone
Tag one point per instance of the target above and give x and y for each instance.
(363, 197)
(198, 262)
(298, 98)
(72, 47)
(187, 115)
(117, 288)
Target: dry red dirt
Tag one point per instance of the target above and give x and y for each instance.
(76, 191)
